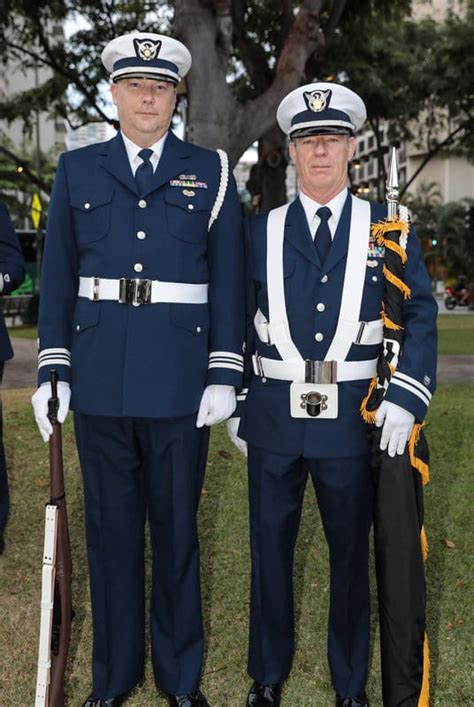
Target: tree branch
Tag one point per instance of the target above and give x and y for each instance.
(434, 151)
(304, 37)
(40, 183)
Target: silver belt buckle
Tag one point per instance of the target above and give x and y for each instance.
(324, 372)
(95, 289)
(134, 291)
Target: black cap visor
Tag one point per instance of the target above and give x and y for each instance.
(143, 75)
(321, 130)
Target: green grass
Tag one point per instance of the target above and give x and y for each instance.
(456, 334)
(225, 570)
(23, 332)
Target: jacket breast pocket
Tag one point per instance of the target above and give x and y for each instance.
(188, 216)
(91, 212)
(374, 275)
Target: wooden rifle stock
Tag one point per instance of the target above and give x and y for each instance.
(56, 601)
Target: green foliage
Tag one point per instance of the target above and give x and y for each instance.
(445, 224)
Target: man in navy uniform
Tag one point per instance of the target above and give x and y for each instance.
(142, 316)
(12, 272)
(315, 298)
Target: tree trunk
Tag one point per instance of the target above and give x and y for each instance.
(267, 182)
(215, 119)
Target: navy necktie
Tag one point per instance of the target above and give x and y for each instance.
(144, 173)
(322, 238)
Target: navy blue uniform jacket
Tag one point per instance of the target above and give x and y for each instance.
(265, 415)
(151, 360)
(12, 268)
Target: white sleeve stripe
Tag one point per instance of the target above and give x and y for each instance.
(45, 358)
(55, 361)
(57, 350)
(410, 389)
(225, 361)
(228, 354)
(416, 384)
(233, 366)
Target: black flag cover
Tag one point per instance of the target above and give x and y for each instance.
(399, 537)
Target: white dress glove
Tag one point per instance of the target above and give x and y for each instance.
(218, 402)
(40, 406)
(232, 431)
(397, 426)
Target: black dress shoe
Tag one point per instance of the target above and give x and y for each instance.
(93, 701)
(263, 695)
(191, 699)
(358, 701)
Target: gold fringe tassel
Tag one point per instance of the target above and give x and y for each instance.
(415, 461)
(424, 543)
(424, 700)
(396, 248)
(397, 282)
(379, 229)
(369, 416)
(387, 322)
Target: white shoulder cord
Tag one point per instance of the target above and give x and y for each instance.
(221, 192)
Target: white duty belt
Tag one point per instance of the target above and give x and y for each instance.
(138, 291)
(306, 371)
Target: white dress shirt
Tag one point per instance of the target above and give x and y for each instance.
(310, 207)
(133, 150)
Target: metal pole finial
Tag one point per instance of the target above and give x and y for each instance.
(392, 188)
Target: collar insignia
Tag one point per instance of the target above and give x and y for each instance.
(317, 101)
(146, 49)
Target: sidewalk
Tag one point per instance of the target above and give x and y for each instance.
(20, 372)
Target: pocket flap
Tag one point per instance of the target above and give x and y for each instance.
(200, 200)
(88, 199)
(193, 317)
(86, 314)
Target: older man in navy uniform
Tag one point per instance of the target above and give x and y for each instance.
(142, 317)
(315, 299)
(12, 272)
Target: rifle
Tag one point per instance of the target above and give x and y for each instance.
(56, 603)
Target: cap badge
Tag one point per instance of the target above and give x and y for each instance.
(317, 101)
(146, 49)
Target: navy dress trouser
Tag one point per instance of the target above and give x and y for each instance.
(133, 468)
(343, 490)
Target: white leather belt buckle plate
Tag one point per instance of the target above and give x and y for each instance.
(314, 401)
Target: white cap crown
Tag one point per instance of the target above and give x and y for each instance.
(146, 55)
